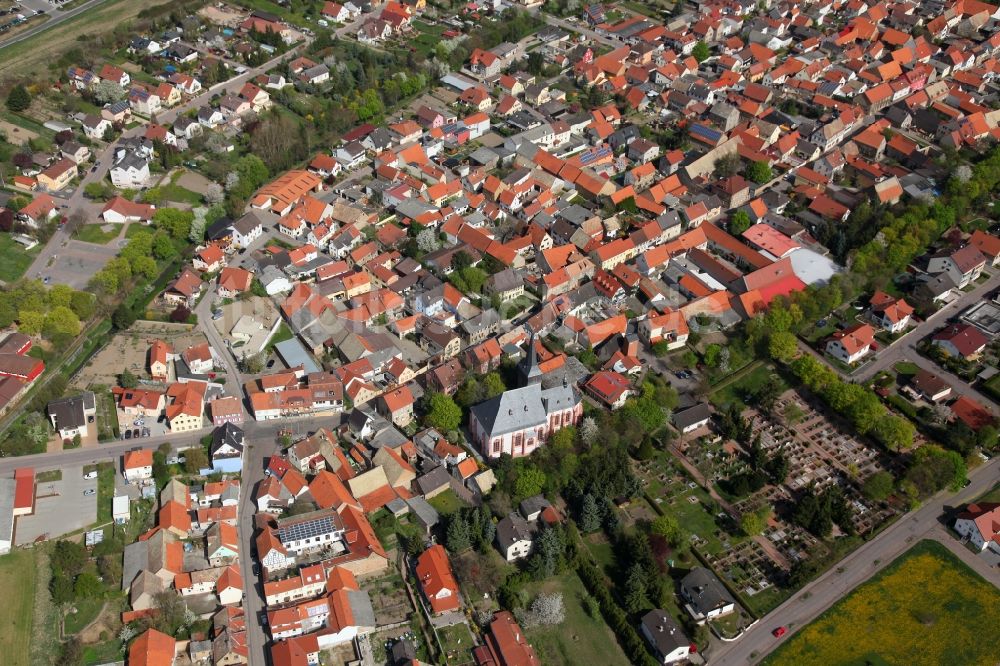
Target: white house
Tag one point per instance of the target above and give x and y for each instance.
(137, 465)
(247, 229)
(964, 265)
(665, 636)
(132, 171)
(704, 595)
(692, 418)
(980, 524)
(850, 345)
(514, 537)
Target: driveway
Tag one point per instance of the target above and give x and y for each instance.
(60, 508)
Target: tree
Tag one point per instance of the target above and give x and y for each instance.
(782, 346)
(163, 247)
(214, 194)
(727, 165)
(739, 222)
(548, 609)
(895, 432)
(61, 589)
(590, 514)
(18, 98)
(753, 522)
(588, 430)
(105, 92)
(700, 51)
(171, 612)
(457, 536)
(443, 413)
(123, 317)
(530, 481)
(635, 589)
(427, 240)
(254, 364)
(61, 325)
(195, 460)
(181, 314)
(30, 322)
(68, 558)
(87, 586)
(669, 528)
(493, 385)
(759, 172)
(82, 303)
(878, 486)
(71, 652)
(175, 222)
(645, 450)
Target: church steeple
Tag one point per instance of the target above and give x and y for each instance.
(528, 369)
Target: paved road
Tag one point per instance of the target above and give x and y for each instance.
(905, 347)
(853, 570)
(234, 378)
(55, 18)
(111, 450)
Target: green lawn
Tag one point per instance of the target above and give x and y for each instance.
(102, 653)
(906, 368)
(14, 259)
(456, 643)
(283, 333)
(105, 491)
(94, 233)
(87, 611)
(927, 607)
(137, 228)
(580, 639)
(17, 580)
(178, 194)
(447, 502)
(732, 391)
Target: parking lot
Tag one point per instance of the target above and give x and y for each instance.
(76, 262)
(60, 508)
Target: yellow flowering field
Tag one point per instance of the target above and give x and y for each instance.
(927, 607)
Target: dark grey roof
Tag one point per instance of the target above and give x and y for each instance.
(69, 412)
(704, 592)
(361, 608)
(688, 417)
(512, 529)
(663, 632)
(433, 480)
(227, 435)
(426, 513)
(533, 504)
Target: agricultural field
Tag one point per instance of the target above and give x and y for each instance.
(927, 607)
(17, 580)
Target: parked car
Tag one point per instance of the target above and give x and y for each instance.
(89, 491)
(135, 433)
(90, 475)
(779, 632)
(128, 434)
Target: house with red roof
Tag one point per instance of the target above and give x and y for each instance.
(397, 405)
(961, 341)
(120, 210)
(505, 644)
(152, 648)
(963, 265)
(988, 244)
(888, 312)
(137, 465)
(979, 524)
(972, 413)
(851, 344)
(437, 582)
(610, 389)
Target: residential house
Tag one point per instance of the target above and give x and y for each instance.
(851, 344)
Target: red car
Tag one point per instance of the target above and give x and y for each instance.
(779, 632)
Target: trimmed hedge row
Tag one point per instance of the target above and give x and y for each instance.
(630, 640)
